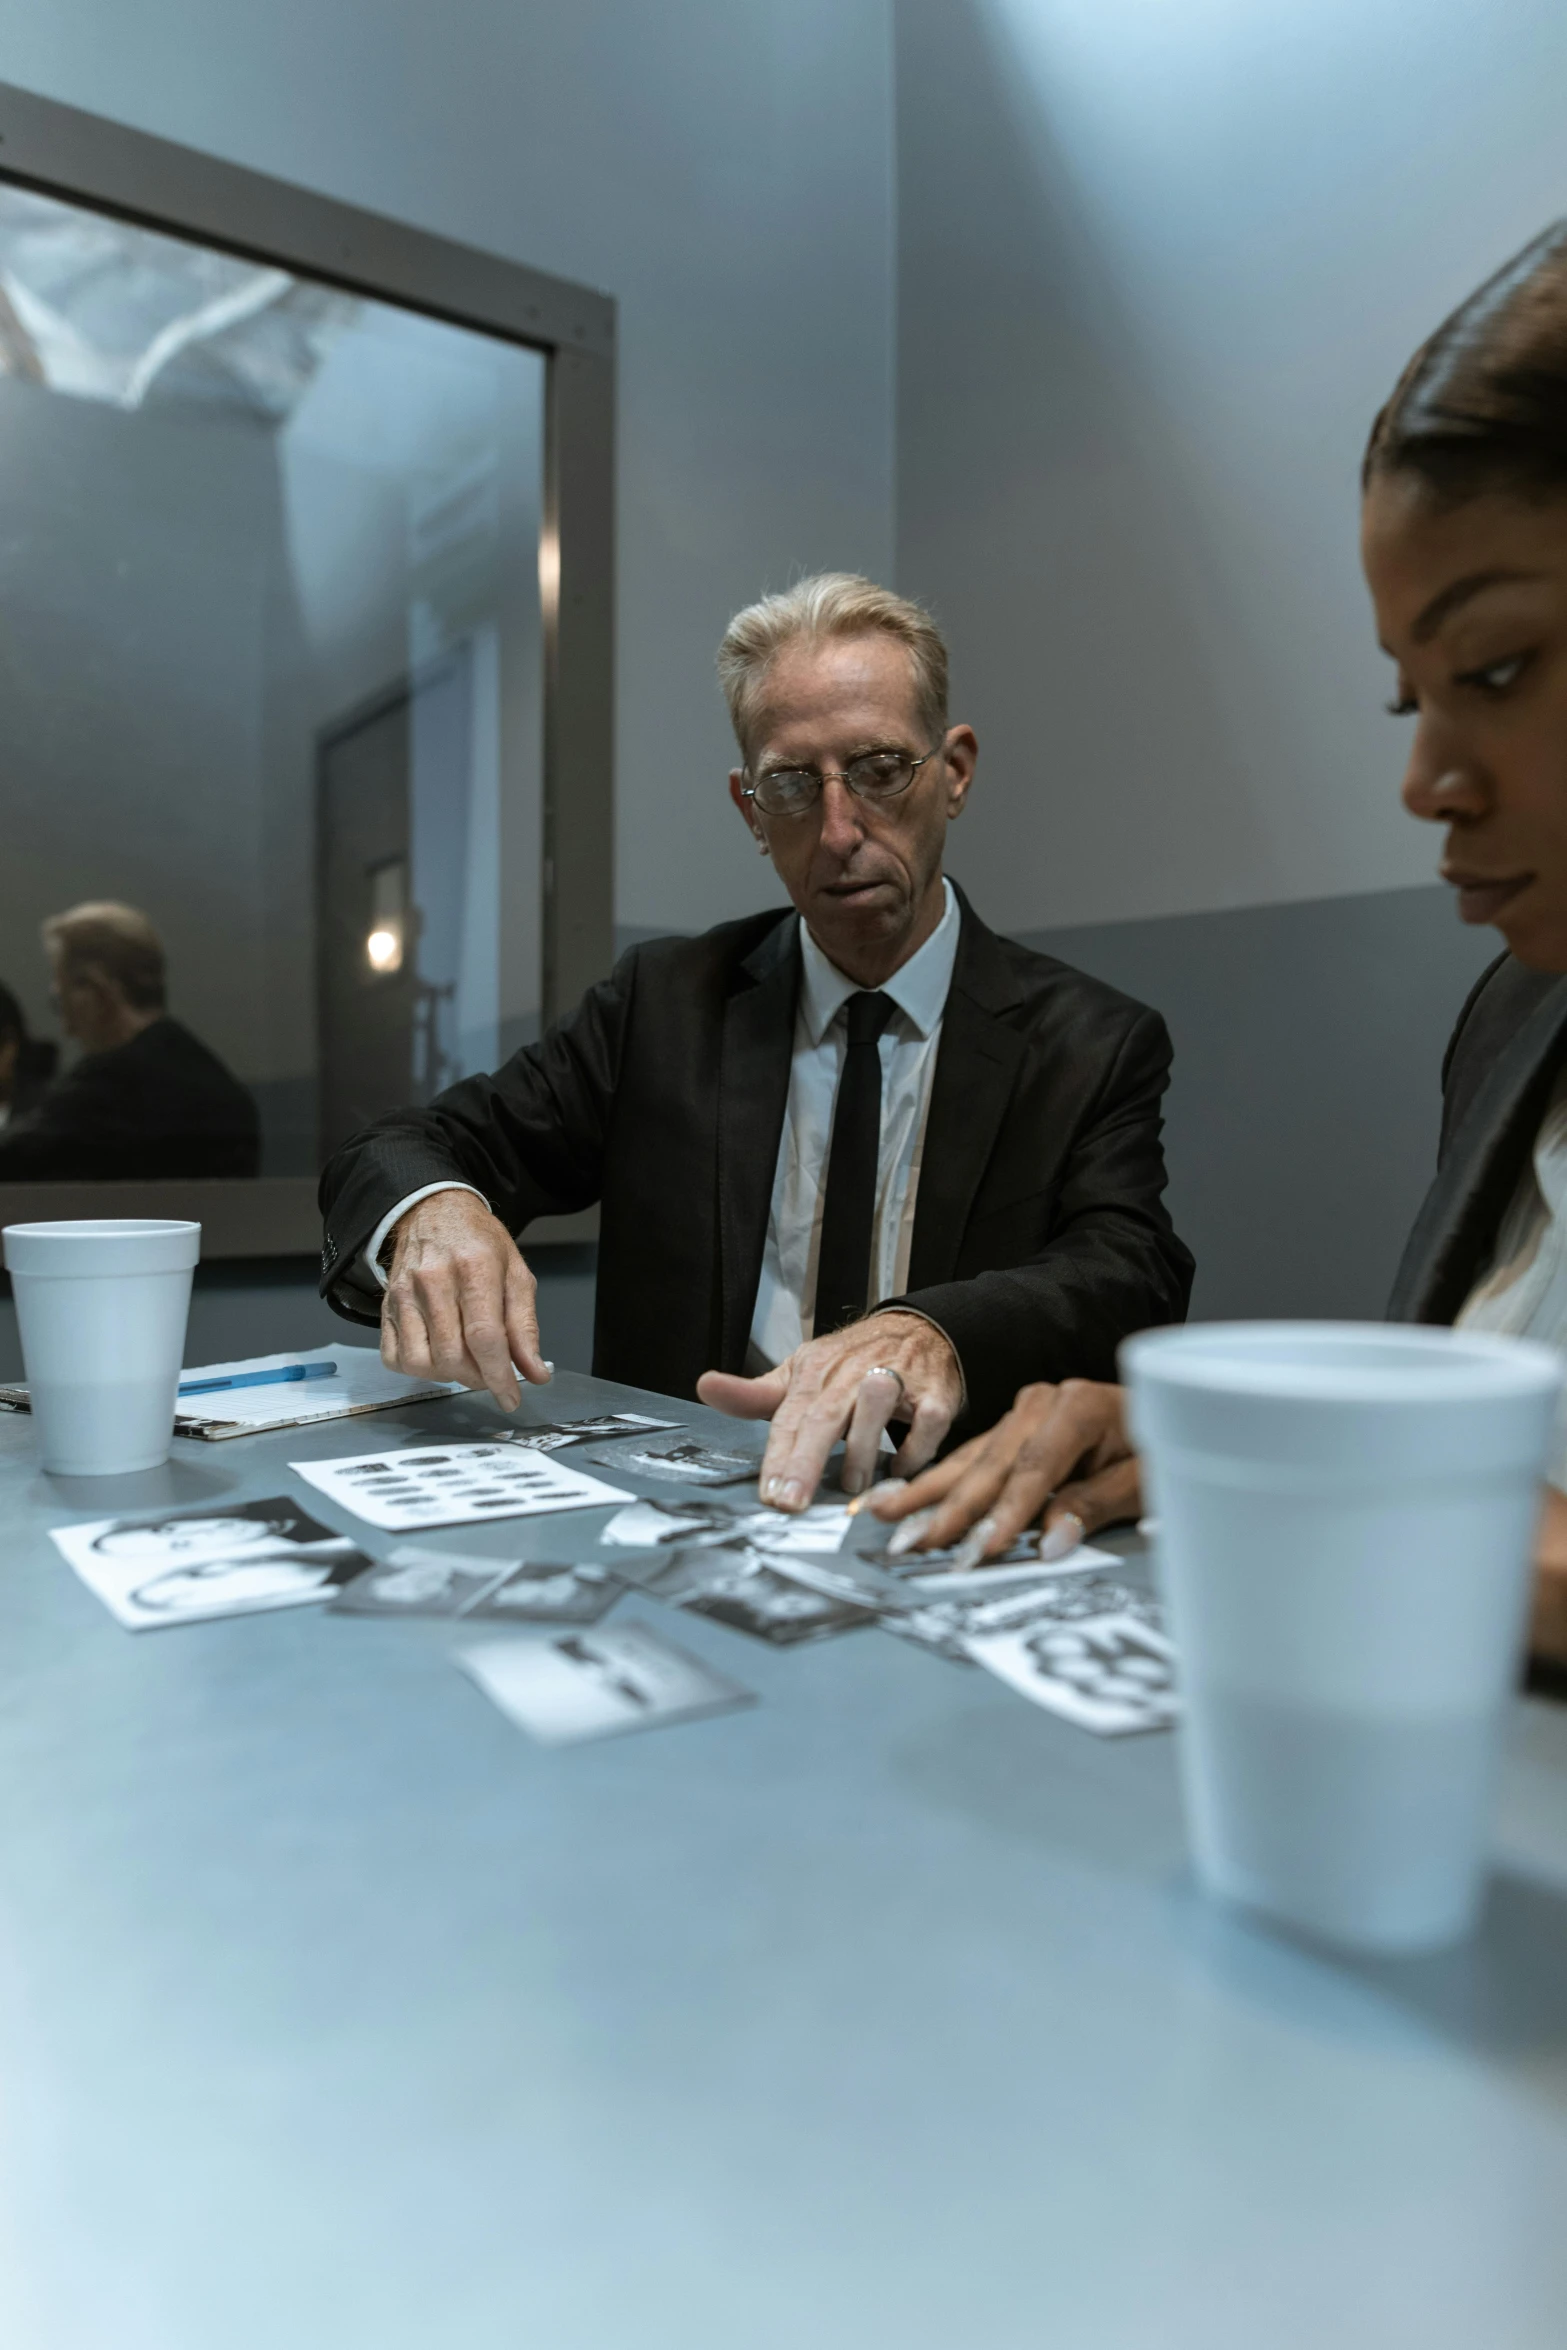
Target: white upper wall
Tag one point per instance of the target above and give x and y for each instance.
(1159, 266)
(723, 167)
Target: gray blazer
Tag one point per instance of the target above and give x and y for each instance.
(1504, 1056)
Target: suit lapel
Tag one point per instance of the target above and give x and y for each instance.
(976, 1069)
(753, 1094)
(1456, 1227)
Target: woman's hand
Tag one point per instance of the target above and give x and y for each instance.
(1061, 1450)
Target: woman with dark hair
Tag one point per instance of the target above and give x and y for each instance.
(27, 1063)
(1464, 542)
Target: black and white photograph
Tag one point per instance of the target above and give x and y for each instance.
(189, 1566)
(678, 1525)
(419, 1583)
(935, 1571)
(1110, 1670)
(596, 1684)
(551, 1435)
(736, 1584)
(954, 1615)
(863, 1582)
(690, 1462)
(538, 1592)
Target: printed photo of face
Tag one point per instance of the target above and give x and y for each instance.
(233, 1582)
(174, 1538)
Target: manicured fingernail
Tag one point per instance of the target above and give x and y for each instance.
(771, 1487)
(853, 1480)
(973, 1546)
(904, 1537)
(1060, 1540)
(791, 1494)
(550, 1368)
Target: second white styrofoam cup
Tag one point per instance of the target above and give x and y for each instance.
(102, 1306)
(1346, 1516)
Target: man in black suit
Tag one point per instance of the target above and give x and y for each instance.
(880, 1105)
(146, 1099)
(27, 1063)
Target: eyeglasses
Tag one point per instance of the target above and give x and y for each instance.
(879, 775)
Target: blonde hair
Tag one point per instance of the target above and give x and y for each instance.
(831, 604)
(116, 941)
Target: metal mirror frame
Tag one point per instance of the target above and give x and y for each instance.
(87, 159)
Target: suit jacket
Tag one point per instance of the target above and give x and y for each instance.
(1497, 1075)
(161, 1105)
(1040, 1234)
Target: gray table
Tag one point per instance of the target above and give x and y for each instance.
(333, 2012)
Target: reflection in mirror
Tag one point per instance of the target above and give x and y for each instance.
(272, 661)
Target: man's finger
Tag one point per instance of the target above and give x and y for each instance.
(875, 1401)
(521, 1307)
(484, 1334)
(932, 1418)
(743, 1399)
(434, 1292)
(405, 1342)
(784, 1437)
(414, 1355)
(804, 1433)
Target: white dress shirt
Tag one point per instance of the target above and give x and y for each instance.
(1524, 1294)
(786, 1293)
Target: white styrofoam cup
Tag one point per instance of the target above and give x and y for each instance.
(1346, 1518)
(102, 1307)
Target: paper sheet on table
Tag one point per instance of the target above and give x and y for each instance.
(593, 1684)
(931, 1571)
(362, 1384)
(228, 1559)
(454, 1485)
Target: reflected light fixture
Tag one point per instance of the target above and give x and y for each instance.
(388, 911)
(549, 571)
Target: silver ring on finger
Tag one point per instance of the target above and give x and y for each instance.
(885, 1371)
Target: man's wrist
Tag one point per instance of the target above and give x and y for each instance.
(371, 1258)
(913, 1314)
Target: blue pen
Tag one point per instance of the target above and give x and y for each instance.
(259, 1378)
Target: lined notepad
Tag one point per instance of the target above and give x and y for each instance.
(363, 1384)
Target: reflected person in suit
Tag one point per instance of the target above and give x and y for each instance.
(27, 1063)
(146, 1099)
(860, 1160)
(1464, 542)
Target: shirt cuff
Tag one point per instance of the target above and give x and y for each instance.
(377, 1241)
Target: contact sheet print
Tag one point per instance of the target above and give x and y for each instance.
(451, 1485)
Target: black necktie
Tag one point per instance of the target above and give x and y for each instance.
(843, 1265)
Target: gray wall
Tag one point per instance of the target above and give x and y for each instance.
(1158, 267)
(1302, 1115)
